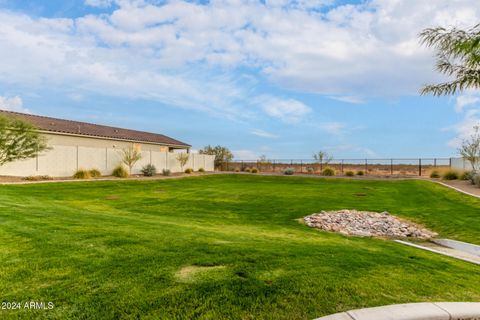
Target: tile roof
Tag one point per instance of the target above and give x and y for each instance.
(92, 130)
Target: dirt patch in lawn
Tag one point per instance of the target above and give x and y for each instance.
(188, 273)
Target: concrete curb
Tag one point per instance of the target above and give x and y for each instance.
(414, 311)
(456, 189)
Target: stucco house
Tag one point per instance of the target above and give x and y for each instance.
(76, 145)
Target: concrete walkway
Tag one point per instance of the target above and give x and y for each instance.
(414, 311)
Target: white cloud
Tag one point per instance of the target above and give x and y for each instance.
(465, 128)
(361, 151)
(245, 155)
(465, 100)
(349, 99)
(99, 3)
(335, 128)
(187, 54)
(12, 104)
(263, 133)
(287, 110)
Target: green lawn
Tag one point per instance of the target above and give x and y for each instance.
(223, 247)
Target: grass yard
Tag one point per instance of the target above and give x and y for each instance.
(223, 247)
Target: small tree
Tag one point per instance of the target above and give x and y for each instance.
(130, 156)
(322, 157)
(222, 154)
(470, 149)
(182, 158)
(19, 140)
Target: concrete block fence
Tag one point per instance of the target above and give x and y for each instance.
(63, 161)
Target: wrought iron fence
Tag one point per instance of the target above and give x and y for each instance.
(382, 167)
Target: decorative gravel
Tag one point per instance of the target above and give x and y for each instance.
(367, 224)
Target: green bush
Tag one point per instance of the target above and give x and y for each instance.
(450, 175)
(247, 170)
(82, 174)
(435, 174)
(349, 173)
(310, 170)
(476, 179)
(95, 173)
(254, 170)
(360, 173)
(120, 172)
(289, 171)
(467, 175)
(188, 170)
(149, 170)
(201, 170)
(328, 172)
(166, 172)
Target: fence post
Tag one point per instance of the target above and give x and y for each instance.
(435, 162)
(450, 163)
(420, 167)
(366, 166)
(342, 166)
(391, 167)
(301, 166)
(273, 165)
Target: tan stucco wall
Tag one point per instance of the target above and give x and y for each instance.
(68, 140)
(70, 153)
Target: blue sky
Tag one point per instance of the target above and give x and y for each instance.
(277, 78)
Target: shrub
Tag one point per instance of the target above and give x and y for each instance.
(166, 172)
(310, 170)
(247, 170)
(360, 173)
(476, 179)
(188, 170)
(450, 175)
(467, 175)
(328, 172)
(149, 170)
(95, 173)
(120, 172)
(435, 174)
(254, 170)
(37, 178)
(349, 173)
(201, 170)
(289, 171)
(82, 174)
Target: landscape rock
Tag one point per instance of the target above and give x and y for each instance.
(367, 224)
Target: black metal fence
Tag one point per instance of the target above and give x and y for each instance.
(382, 167)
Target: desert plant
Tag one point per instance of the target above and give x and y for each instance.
(289, 171)
(19, 140)
(465, 175)
(182, 158)
(222, 154)
(328, 172)
(457, 56)
(82, 174)
(360, 173)
(247, 170)
(476, 179)
(120, 172)
(130, 156)
(450, 175)
(254, 170)
(310, 170)
(166, 172)
(349, 173)
(470, 149)
(435, 174)
(201, 170)
(149, 170)
(188, 170)
(38, 178)
(322, 157)
(95, 173)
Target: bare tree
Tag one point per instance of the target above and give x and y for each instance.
(130, 157)
(183, 159)
(470, 149)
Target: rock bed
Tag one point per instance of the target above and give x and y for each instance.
(367, 224)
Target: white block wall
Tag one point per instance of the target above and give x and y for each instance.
(63, 161)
